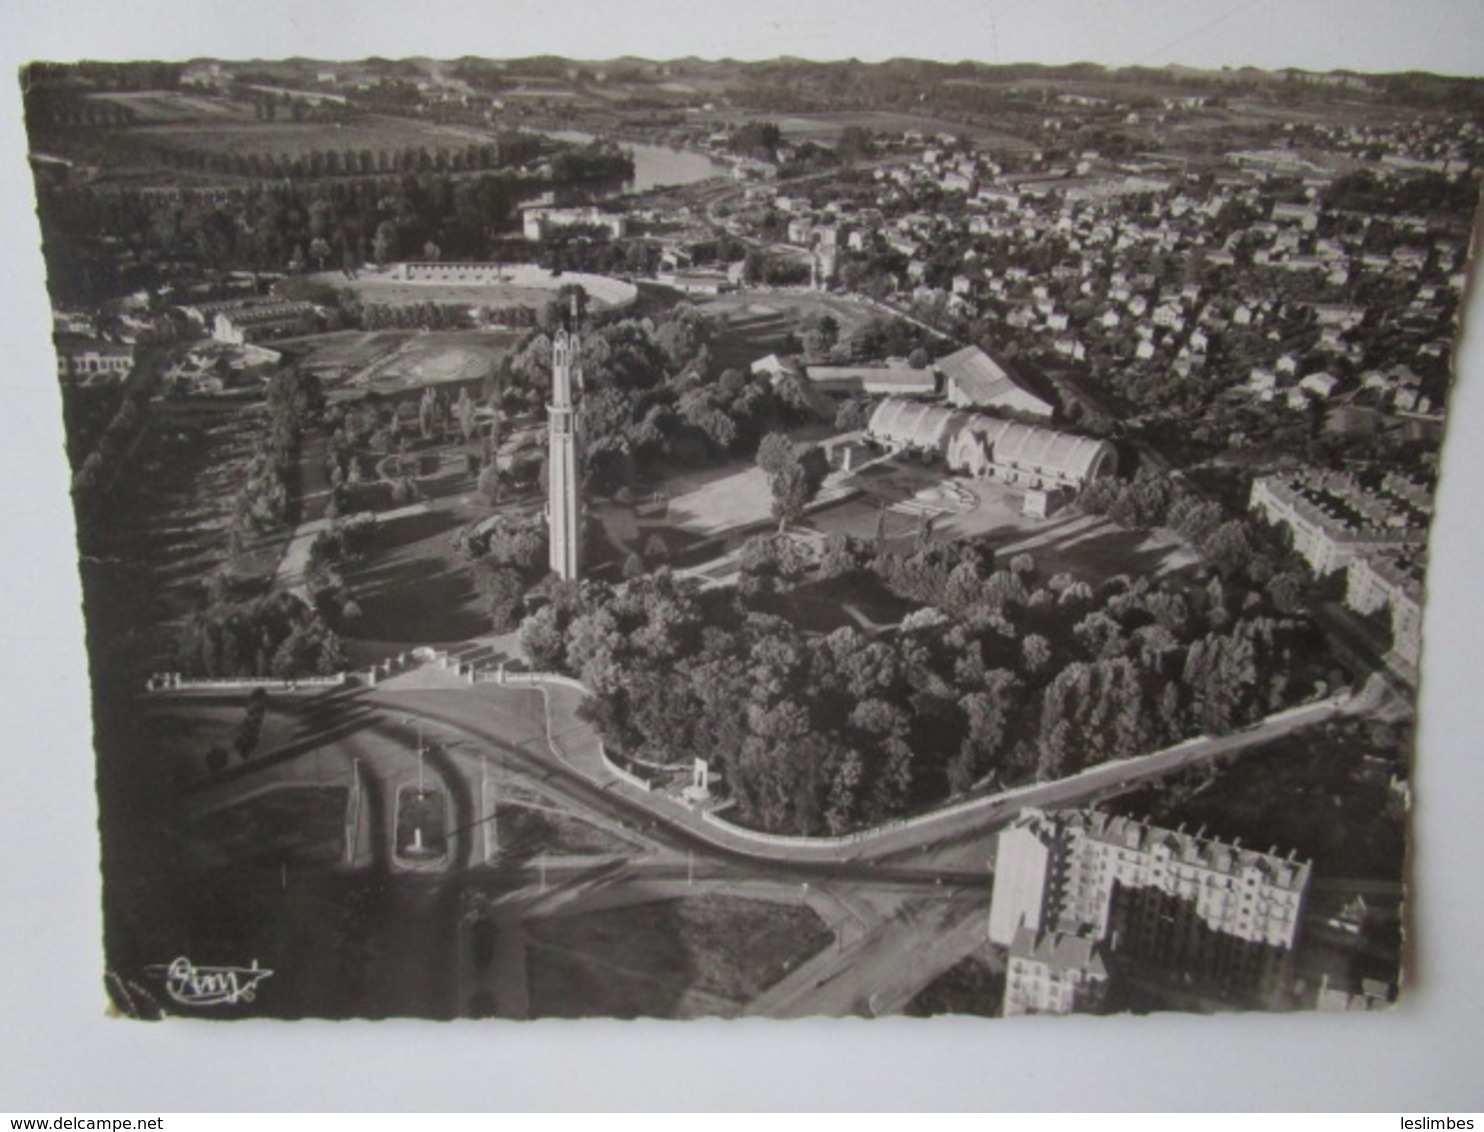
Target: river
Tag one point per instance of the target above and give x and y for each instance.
(655, 166)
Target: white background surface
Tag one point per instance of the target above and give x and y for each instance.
(58, 1053)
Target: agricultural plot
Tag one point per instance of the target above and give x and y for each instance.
(174, 106)
(294, 139)
(827, 128)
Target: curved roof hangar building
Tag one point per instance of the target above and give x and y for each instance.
(992, 448)
(916, 425)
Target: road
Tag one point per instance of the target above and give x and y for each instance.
(903, 903)
(576, 759)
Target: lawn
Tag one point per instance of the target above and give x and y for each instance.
(909, 494)
(642, 961)
(525, 832)
(431, 359)
(295, 825)
(973, 985)
(340, 354)
(522, 285)
(412, 586)
(172, 736)
(735, 498)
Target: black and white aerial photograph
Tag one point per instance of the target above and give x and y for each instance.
(788, 534)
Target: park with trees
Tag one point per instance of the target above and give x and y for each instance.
(996, 675)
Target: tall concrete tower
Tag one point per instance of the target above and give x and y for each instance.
(563, 507)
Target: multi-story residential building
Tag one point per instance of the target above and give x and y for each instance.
(1377, 534)
(1178, 903)
(1054, 973)
(1334, 518)
(1391, 580)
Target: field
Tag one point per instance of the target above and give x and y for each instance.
(301, 826)
(708, 955)
(826, 128)
(398, 361)
(173, 106)
(413, 587)
(525, 831)
(297, 138)
(975, 985)
(519, 285)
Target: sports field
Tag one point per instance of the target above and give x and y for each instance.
(391, 361)
(517, 285)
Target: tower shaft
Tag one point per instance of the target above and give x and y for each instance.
(564, 510)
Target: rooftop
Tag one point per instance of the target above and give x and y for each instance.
(1059, 950)
(982, 379)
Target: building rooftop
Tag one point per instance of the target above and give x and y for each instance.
(1059, 950)
(1029, 446)
(904, 378)
(1403, 568)
(1197, 849)
(1395, 510)
(982, 379)
(268, 312)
